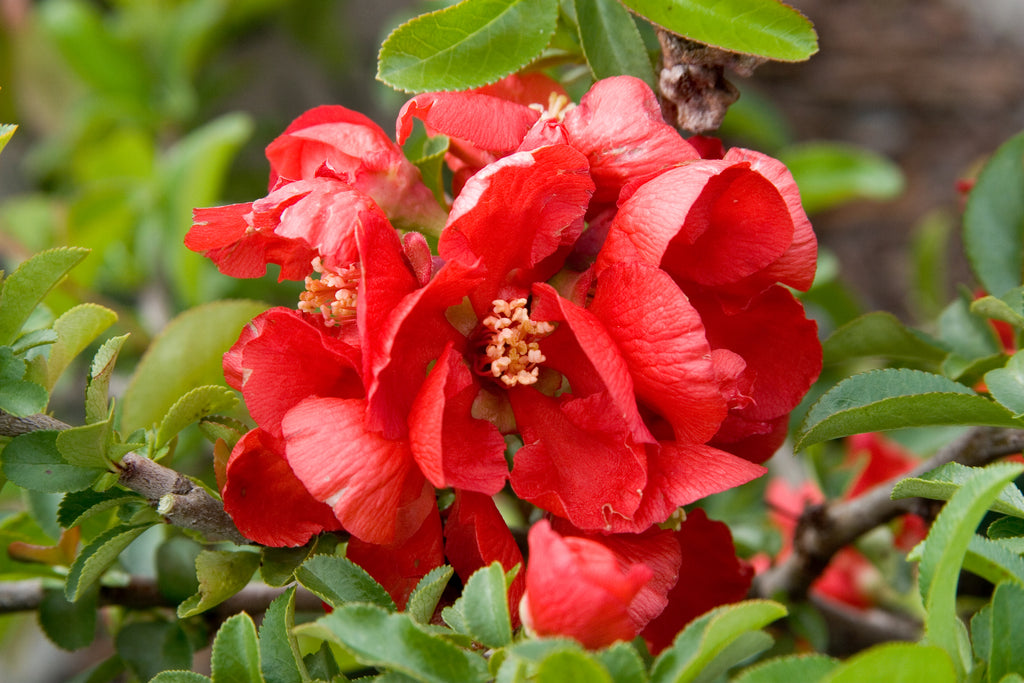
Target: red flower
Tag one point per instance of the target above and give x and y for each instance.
(596, 589)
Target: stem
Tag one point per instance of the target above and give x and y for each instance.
(824, 529)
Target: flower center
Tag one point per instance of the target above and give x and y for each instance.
(513, 348)
(333, 294)
(558, 106)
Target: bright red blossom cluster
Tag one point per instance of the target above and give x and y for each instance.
(605, 295)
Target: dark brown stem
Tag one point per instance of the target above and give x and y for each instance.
(824, 529)
(182, 502)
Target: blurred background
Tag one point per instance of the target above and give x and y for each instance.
(132, 112)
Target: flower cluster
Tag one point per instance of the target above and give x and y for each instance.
(606, 329)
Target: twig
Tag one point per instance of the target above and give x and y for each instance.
(182, 502)
(824, 529)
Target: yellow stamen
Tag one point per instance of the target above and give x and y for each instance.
(333, 294)
(512, 351)
(558, 106)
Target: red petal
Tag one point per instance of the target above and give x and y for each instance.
(661, 337)
(399, 567)
(537, 198)
(488, 122)
(709, 575)
(592, 477)
(475, 536)
(577, 587)
(882, 459)
(451, 447)
(264, 498)
(371, 482)
(619, 126)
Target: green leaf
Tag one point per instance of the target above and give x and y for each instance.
(176, 568)
(280, 660)
(33, 461)
(70, 625)
(468, 45)
(1009, 307)
(969, 336)
(97, 557)
(179, 677)
(427, 153)
(338, 580)
(77, 506)
(571, 666)
(278, 565)
(880, 334)
(896, 663)
(944, 551)
(833, 173)
(151, 647)
(981, 633)
(611, 42)
(427, 593)
(106, 671)
(98, 386)
(891, 399)
(1007, 631)
(394, 641)
(85, 446)
(1007, 384)
(993, 561)
(790, 669)
(484, 607)
(753, 27)
(6, 132)
(18, 397)
(709, 635)
(76, 329)
(26, 287)
(743, 649)
(186, 354)
(221, 573)
(623, 663)
(945, 480)
(196, 404)
(236, 652)
(994, 219)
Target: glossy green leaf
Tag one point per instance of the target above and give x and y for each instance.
(26, 287)
(151, 647)
(338, 580)
(896, 663)
(945, 480)
(1007, 384)
(70, 625)
(994, 219)
(832, 173)
(221, 573)
(78, 506)
(19, 397)
(880, 334)
(803, 668)
(427, 593)
(97, 557)
(891, 399)
(85, 446)
(571, 666)
(394, 641)
(76, 329)
(623, 662)
(34, 462)
(196, 404)
(186, 354)
(944, 551)
(1005, 527)
(484, 607)
(236, 652)
(611, 42)
(467, 45)
(708, 636)
(280, 660)
(176, 568)
(98, 385)
(754, 27)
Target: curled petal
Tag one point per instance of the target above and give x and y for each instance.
(268, 504)
(371, 483)
(489, 122)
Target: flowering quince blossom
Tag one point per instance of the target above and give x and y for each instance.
(606, 296)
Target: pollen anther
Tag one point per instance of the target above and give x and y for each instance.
(513, 345)
(333, 294)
